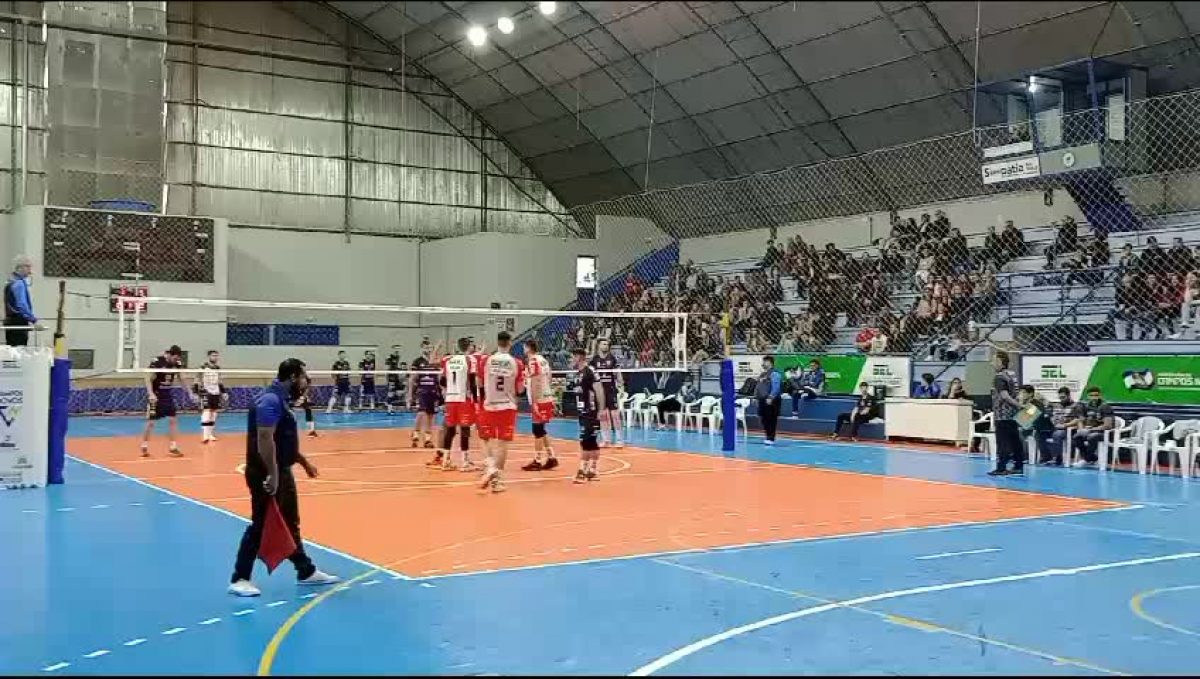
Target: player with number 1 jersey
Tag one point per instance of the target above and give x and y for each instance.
(459, 374)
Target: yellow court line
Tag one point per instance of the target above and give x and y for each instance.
(1137, 601)
(923, 625)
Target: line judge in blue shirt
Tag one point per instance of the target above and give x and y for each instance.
(272, 447)
(18, 307)
(768, 390)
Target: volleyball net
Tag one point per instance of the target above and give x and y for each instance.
(377, 347)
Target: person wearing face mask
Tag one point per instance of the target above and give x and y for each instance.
(1050, 439)
(1091, 418)
(272, 447)
(865, 410)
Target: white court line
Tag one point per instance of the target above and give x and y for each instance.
(943, 555)
(56, 667)
(775, 543)
(692, 648)
(228, 513)
(97, 654)
(134, 642)
(173, 631)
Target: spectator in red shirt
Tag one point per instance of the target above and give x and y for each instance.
(863, 339)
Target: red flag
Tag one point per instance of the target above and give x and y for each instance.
(277, 542)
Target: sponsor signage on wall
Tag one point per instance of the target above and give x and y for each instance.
(1025, 167)
(24, 402)
(843, 372)
(1133, 378)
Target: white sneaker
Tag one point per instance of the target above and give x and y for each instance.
(243, 588)
(1080, 463)
(320, 578)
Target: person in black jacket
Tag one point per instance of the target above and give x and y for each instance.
(865, 410)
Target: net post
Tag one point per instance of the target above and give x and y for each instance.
(728, 408)
(60, 395)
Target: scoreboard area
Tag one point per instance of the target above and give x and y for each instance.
(115, 245)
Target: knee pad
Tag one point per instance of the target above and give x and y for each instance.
(539, 430)
(447, 438)
(464, 441)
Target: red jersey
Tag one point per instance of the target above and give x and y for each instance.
(503, 379)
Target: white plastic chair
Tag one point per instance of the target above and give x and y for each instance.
(984, 437)
(1187, 431)
(649, 409)
(704, 414)
(1138, 441)
(623, 399)
(629, 408)
(740, 406)
(687, 410)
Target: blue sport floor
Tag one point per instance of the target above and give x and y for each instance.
(108, 575)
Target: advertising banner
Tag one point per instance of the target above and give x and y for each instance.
(24, 415)
(843, 372)
(1133, 378)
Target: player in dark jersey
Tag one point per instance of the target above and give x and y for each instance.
(589, 399)
(425, 390)
(160, 396)
(305, 401)
(604, 362)
(341, 383)
(366, 385)
(394, 390)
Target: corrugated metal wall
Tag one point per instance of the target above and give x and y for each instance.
(260, 140)
(267, 141)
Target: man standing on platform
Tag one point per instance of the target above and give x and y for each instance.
(272, 447)
(770, 385)
(18, 306)
(1009, 447)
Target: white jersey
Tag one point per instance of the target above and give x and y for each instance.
(456, 371)
(538, 369)
(503, 379)
(210, 380)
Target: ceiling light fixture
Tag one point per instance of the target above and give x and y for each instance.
(505, 25)
(477, 35)
(548, 8)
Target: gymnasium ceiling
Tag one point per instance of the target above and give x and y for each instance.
(744, 87)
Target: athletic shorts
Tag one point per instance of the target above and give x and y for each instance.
(610, 396)
(427, 404)
(211, 401)
(343, 387)
(543, 412)
(498, 424)
(589, 429)
(460, 414)
(163, 407)
(368, 387)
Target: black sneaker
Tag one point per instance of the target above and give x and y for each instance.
(550, 463)
(998, 472)
(534, 466)
(591, 475)
(580, 477)
(312, 433)
(429, 444)
(1019, 471)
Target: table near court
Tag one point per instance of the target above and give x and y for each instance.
(934, 419)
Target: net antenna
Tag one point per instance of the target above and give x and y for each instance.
(634, 336)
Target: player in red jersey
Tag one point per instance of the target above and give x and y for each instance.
(503, 380)
(541, 406)
(459, 375)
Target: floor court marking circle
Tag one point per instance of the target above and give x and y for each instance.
(697, 646)
(1137, 605)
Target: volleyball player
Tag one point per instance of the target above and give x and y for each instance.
(589, 396)
(541, 406)
(212, 395)
(503, 378)
(392, 363)
(458, 377)
(605, 363)
(424, 390)
(366, 381)
(160, 397)
(341, 383)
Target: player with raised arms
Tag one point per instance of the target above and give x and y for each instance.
(605, 363)
(503, 378)
(341, 383)
(366, 381)
(458, 376)
(212, 395)
(424, 389)
(589, 400)
(541, 406)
